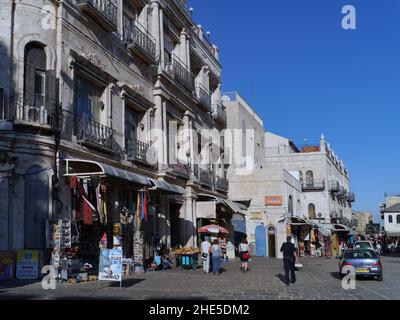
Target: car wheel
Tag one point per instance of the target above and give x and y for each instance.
(380, 277)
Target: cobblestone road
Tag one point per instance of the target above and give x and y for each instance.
(318, 280)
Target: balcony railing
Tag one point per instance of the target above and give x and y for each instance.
(137, 150)
(351, 197)
(203, 96)
(141, 42)
(219, 113)
(105, 12)
(221, 184)
(334, 186)
(180, 169)
(204, 176)
(48, 116)
(313, 185)
(181, 72)
(95, 134)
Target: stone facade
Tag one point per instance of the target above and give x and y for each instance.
(325, 180)
(108, 82)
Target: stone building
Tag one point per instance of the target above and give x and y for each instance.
(390, 214)
(116, 94)
(272, 196)
(361, 220)
(324, 178)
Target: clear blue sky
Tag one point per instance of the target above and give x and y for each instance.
(310, 77)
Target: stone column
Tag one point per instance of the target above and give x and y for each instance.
(190, 227)
(183, 48)
(157, 28)
(158, 133)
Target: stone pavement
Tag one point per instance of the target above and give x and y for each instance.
(318, 280)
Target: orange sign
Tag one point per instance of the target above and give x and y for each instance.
(273, 200)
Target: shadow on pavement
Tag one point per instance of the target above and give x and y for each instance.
(336, 275)
(281, 277)
(125, 283)
(15, 283)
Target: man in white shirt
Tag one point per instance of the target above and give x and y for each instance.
(205, 254)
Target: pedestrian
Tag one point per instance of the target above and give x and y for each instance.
(216, 256)
(378, 248)
(244, 254)
(289, 259)
(222, 245)
(205, 254)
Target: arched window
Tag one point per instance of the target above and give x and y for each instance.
(35, 75)
(290, 205)
(398, 219)
(390, 219)
(311, 211)
(309, 178)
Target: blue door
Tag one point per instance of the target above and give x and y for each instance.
(261, 240)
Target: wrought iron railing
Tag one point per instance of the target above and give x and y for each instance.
(180, 169)
(48, 115)
(137, 35)
(315, 184)
(90, 131)
(203, 95)
(221, 184)
(179, 70)
(140, 151)
(107, 8)
(219, 112)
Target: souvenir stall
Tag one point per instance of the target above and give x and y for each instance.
(105, 213)
(300, 231)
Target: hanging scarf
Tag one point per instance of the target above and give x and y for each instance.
(142, 214)
(99, 203)
(146, 211)
(137, 214)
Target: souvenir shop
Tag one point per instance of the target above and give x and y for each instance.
(106, 211)
(300, 230)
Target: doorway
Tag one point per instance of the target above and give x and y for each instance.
(260, 241)
(174, 223)
(271, 242)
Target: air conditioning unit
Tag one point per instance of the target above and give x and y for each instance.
(319, 215)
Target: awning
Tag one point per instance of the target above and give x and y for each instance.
(166, 186)
(206, 209)
(392, 234)
(297, 221)
(87, 168)
(340, 228)
(324, 229)
(234, 206)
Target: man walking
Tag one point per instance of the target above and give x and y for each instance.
(205, 254)
(289, 260)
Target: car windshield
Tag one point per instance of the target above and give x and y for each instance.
(364, 254)
(363, 245)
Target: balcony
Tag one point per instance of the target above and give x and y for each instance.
(218, 112)
(221, 184)
(94, 134)
(45, 117)
(351, 197)
(178, 70)
(334, 186)
(313, 185)
(141, 43)
(104, 12)
(204, 177)
(204, 97)
(141, 152)
(180, 170)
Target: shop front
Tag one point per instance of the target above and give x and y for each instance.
(300, 230)
(109, 207)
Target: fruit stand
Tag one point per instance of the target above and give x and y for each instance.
(187, 257)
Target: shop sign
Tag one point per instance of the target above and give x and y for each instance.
(110, 264)
(7, 262)
(255, 216)
(275, 200)
(27, 264)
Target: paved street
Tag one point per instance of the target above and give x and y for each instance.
(318, 280)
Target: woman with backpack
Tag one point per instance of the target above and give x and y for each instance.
(244, 254)
(216, 256)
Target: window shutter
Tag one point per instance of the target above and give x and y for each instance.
(51, 97)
